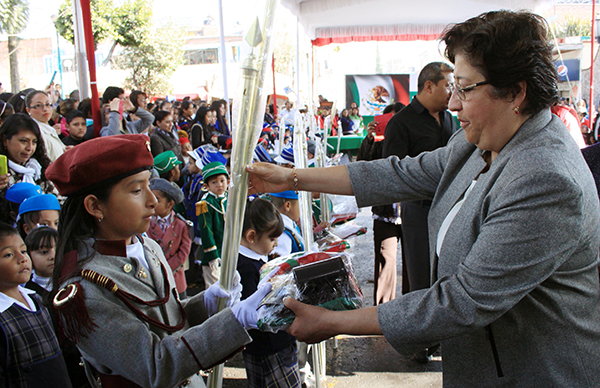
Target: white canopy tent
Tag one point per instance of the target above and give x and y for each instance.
(341, 21)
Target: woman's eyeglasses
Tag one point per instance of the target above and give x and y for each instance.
(41, 106)
(462, 92)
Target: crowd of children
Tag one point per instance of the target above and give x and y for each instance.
(96, 243)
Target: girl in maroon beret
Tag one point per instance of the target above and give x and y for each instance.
(114, 292)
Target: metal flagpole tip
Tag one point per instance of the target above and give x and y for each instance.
(254, 37)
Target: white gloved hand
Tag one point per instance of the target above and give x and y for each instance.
(214, 292)
(211, 298)
(246, 311)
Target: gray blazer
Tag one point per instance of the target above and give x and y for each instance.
(124, 345)
(515, 297)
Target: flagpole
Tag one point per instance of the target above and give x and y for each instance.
(245, 138)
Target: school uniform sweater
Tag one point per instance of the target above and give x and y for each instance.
(29, 351)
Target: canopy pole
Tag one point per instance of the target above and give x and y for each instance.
(223, 55)
(297, 63)
(80, 58)
(274, 90)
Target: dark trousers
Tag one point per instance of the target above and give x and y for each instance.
(415, 245)
(386, 236)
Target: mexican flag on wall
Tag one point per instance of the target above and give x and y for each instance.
(373, 93)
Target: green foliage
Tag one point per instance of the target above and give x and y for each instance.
(14, 15)
(126, 24)
(131, 22)
(152, 63)
(572, 26)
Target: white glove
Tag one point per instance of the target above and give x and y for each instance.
(214, 292)
(245, 311)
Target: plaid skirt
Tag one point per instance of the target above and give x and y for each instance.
(278, 370)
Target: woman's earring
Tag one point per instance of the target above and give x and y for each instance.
(516, 109)
(100, 219)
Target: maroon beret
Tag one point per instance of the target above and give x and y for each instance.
(96, 163)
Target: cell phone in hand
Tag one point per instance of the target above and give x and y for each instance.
(3, 165)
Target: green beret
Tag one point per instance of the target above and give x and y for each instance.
(165, 161)
(214, 168)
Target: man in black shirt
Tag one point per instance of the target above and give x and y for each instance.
(424, 125)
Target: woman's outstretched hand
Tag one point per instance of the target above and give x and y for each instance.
(312, 324)
(268, 178)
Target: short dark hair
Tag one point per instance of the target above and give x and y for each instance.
(433, 72)
(41, 237)
(85, 106)
(508, 47)
(279, 202)
(74, 114)
(262, 216)
(66, 105)
(395, 107)
(160, 116)
(6, 230)
(134, 95)
(111, 93)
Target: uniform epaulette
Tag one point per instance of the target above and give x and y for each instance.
(187, 222)
(201, 207)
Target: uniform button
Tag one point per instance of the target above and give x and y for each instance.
(127, 268)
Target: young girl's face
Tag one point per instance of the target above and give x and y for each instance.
(175, 174)
(43, 260)
(192, 168)
(128, 209)
(264, 244)
(15, 266)
(45, 218)
(185, 148)
(164, 205)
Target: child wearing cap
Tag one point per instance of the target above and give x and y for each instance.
(14, 196)
(37, 211)
(286, 159)
(167, 165)
(170, 230)
(211, 219)
(291, 240)
(114, 294)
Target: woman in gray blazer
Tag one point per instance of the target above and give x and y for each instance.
(514, 225)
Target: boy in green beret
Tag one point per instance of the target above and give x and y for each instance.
(167, 165)
(211, 219)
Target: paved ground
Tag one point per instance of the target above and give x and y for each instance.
(361, 361)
